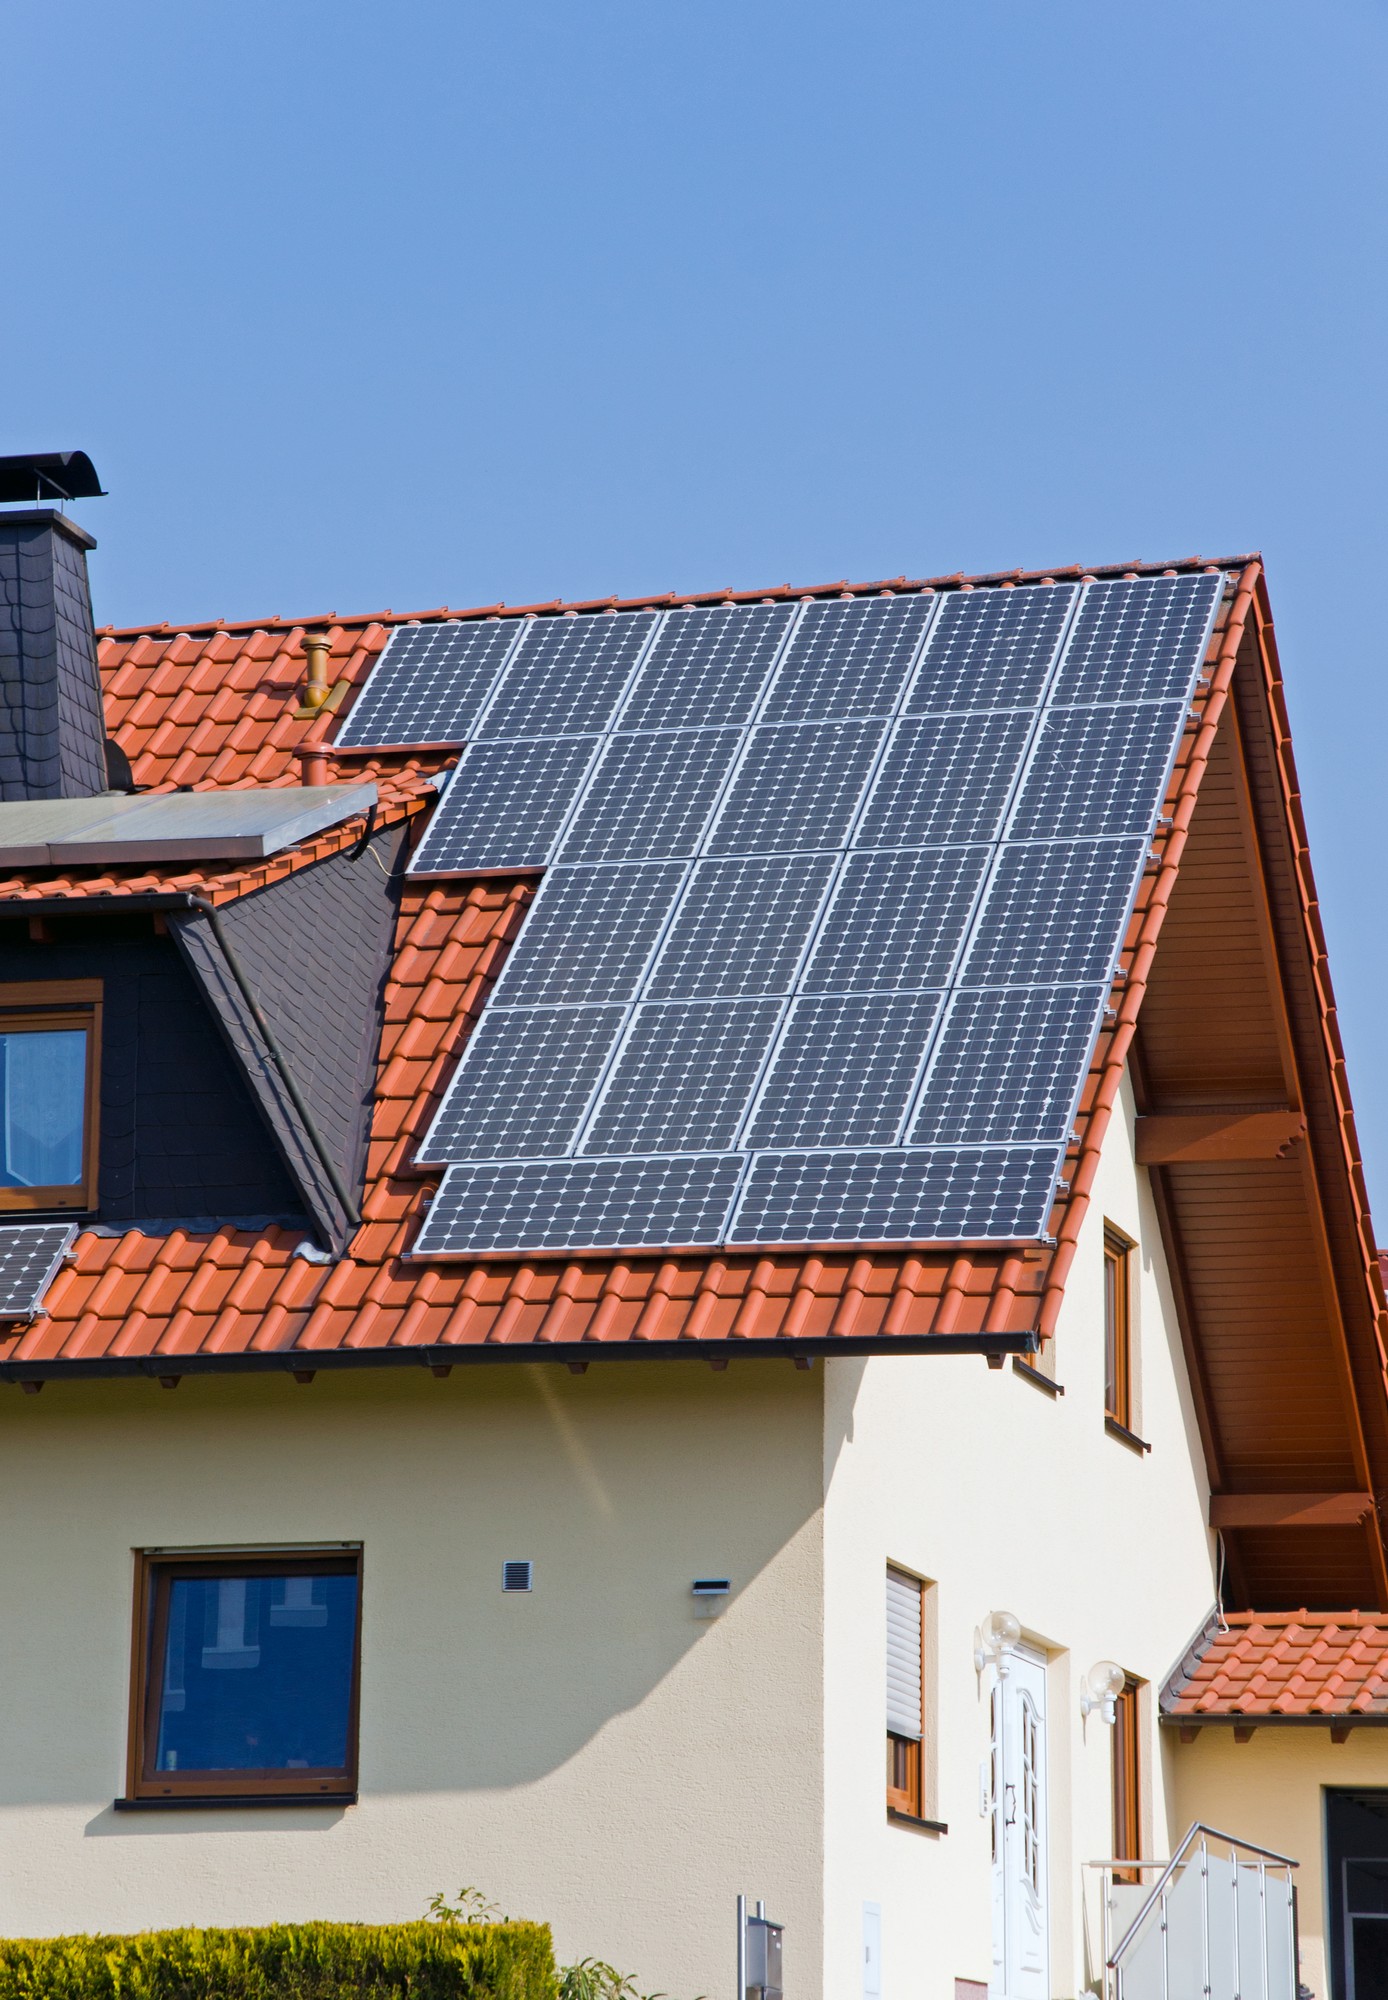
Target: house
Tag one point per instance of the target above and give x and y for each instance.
(632, 1315)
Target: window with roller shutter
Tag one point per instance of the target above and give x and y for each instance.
(905, 1693)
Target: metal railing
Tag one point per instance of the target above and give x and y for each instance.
(1218, 1923)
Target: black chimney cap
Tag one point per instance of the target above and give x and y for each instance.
(49, 475)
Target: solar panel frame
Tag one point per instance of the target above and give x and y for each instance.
(676, 1202)
(1021, 937)
(945, 780)
(569, 676)
(775, 806)
(506, 805)
(1096, 771)
(590, 934)
(402, 688)
(682, 1077)
(30, 1253)
(1014, 635)
(707, 660)
(897, 1195)
(896, 920)
(863, 669)
(523, 1085)
(650, 796)
(1008, 1066)
(1141, 615)
(843, 1072)
(743, 926)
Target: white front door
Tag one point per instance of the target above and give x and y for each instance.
(1017, 1801)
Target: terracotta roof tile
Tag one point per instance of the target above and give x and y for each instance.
(1293, 1666)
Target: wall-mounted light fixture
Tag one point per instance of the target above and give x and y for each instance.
(995, 1640)
(710, 1594)
(1103, 1684)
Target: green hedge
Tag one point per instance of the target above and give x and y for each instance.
(421, 1961)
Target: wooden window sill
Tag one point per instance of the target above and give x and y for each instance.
(896, 1817)
(201, 1802)
(1124, 1435)
(1035, 1377)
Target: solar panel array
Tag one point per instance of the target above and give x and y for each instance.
(30, 1253)
(834, 893)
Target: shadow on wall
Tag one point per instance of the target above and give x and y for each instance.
(620, 1487)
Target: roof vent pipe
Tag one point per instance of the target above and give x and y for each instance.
(317, 646)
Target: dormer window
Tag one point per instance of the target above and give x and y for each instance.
(50, 1056)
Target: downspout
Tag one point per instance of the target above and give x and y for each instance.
(329, 1165)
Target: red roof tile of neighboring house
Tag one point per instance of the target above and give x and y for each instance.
(1293, 1666)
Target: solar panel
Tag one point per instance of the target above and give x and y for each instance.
(707, 666)
(430, 682)
(505, 805)
(849, 656)
(568, 675)
(896, 920)
(1054, 912)
(30, 1253)
(1097, 770)
(1009, 1065)
(838, 893)
(742, 927)
(523, 1084)
(945, 779)
(971, 1193)
(798, 787)
(845, 1070)
(1139, 640)
(683, 1078)
(580, 1205)
(589, 934)
(651, 795)
(992, 648)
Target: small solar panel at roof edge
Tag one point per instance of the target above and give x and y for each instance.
(845, 1071)
(505, 805)
(581, 1205)
(523, 1084)
(1054, 912)
(651, 795)
(430, 682)
(944, 779)
(683, 1078)
(1141, 639)
(991, 648)
(568, 675)
(1098, 771)
(707, 665)
(798, 787)
(961, 1194)
(1008, 1066)
(742, 927)
(588, 934)
(30, 1253)
(849, 656)
(896, 920)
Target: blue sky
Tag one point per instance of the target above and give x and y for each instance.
(359, 306)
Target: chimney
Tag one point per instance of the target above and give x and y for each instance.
(52, 724)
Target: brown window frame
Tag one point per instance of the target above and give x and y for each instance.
(905, 1756)
(154, 1574)
(1127, 1778)
(1118, 1326)
(35, 1005)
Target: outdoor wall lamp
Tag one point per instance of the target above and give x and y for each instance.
(1103, 1684)
(995, 1639)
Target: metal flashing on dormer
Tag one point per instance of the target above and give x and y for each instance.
(242, 825)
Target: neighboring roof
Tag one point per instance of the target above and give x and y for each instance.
(1290, 1667)
(1281, 1305)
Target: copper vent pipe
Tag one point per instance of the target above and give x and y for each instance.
(317, 646)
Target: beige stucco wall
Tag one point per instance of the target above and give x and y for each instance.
(591, 1754)
(1005, 1500)
(1276, 1784)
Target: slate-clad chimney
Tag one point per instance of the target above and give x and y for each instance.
(52, 729)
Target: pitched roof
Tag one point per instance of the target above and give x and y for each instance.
(1296, 1666)
(220, 705)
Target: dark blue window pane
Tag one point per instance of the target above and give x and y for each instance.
(257, 1674)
